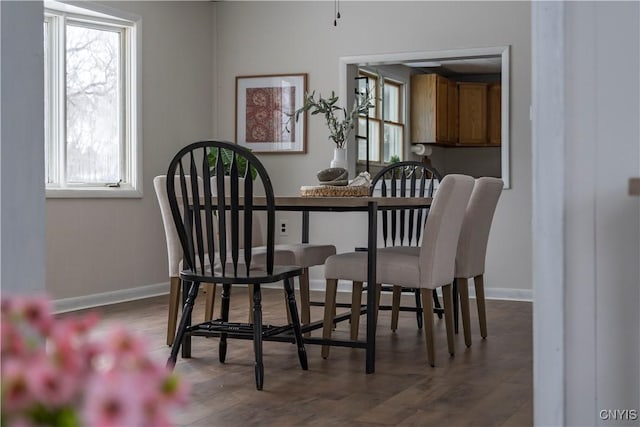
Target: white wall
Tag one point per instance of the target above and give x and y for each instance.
(586, 275)
(104, 245)
(22, 160)
(294, 37)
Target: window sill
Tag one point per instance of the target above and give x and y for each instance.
(93, 193)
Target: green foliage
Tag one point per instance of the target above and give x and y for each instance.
(394, 159)
(340, 122)
(227, 158)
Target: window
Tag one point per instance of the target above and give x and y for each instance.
(91, 112)
(386, 120)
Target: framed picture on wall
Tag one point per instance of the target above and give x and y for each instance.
(263, 108)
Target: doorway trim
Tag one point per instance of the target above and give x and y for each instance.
(347, 84)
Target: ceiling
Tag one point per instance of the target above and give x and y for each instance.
(451, 66)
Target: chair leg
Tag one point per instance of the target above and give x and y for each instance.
(378, 296)
(224, 316)
(182, 340)
(174, 304)
(305, 304)
(210, 289)
(329, 310)
(478, 281)
(455, 293)
(436, 302)
(257, 335)
(463, 289)
(448, 317)
(356, 306)
(416, 294)
(395, 307)
(427, 315)
(250, 295)
(286, 307)
(291, 298)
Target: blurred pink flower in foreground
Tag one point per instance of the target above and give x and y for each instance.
(55, 374)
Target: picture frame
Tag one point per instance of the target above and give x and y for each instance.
(263, 105)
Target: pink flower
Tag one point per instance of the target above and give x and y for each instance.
(37, 312)
(113, 400)
(51, 387)
(16, 393)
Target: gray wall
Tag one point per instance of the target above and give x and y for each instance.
(294, 37)
(22, 140)
(104, 245)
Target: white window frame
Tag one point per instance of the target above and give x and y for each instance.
(96, 16)
(378, 119)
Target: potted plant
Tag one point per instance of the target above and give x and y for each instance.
(340, 122)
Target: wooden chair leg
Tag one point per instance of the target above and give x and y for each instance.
(395, 307)
(478, 281)
(210, 290)
(224, 316)
(329, 310)
(378, 295)
(463, 290)
(174, 304)
(305, 304)
(356, 306)
(427, 317)
(448, 317)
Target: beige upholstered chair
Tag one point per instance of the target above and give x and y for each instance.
(174, 257)
(472, 249)
(431, 267)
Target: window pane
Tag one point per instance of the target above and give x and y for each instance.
(393, 137)
(362, 87)
(93, 105)
(391, 102)
(374, 141)
(47, 104)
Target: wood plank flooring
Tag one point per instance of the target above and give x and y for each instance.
(489, 384)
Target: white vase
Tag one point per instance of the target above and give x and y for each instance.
(339, 158)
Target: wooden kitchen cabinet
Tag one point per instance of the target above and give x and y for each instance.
(430, 109)
(452, 112)
(472, 113)
(494, 114)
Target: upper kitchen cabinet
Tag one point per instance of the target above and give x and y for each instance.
(430, 109)
(472, 113)
(494, 114)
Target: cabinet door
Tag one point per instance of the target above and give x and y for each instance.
(452, 113)
(494, 113)
(472, 113)
(429, 109)
(442, 109)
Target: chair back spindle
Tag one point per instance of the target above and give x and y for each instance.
(406, 179)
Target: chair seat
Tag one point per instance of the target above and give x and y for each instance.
(255, 274)
(406, 250)
(308, 255)
(401, 269)
(259, 258)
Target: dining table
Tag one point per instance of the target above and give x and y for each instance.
(371, 205)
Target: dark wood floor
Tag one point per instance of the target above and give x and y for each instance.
(489, 384)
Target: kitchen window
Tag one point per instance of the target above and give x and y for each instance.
(92, 143)
(386, 120)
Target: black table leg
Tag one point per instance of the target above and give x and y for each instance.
(371, 287)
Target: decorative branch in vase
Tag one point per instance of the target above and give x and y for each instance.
(340, 122)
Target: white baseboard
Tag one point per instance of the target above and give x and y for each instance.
(141, 292)
(489, 293)
(123, 295)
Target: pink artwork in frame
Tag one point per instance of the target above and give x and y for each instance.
(264, 108)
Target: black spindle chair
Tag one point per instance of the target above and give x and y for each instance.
(210, 256)
(402, 229)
